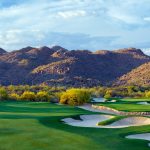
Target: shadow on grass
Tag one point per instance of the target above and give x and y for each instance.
(8, 131)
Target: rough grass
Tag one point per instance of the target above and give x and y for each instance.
(37, 126)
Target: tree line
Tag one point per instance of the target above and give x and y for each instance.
(69, 95)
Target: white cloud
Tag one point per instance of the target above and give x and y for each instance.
(128, 11)
(69, 14)
(21, 38)
(32, 22)
(146, 51)
(147, 19)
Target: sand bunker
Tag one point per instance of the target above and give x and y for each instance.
(130, 121)
(144, 136)
(93, 120)
(87, 120)
(144, 103)
(113, 101)
(90, 108)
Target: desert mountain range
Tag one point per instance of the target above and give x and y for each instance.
(59, 66)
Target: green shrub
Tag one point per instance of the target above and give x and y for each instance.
(3, 94)
(42, 96)
(29, 96)
(147, 94)
(111, 120)
(64, 98)
(58, 94)
(75, 97)
(108, 94)
(14, 96)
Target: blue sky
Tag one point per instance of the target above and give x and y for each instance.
(75, 24)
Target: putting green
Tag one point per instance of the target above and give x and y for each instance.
(37, 126)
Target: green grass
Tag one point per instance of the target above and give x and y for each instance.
(135, 99)
(37, 126)
(129, 105)
(111, 120)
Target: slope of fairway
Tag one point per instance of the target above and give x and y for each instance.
(135, 99)
(145, 136)
(37, 126)
(143, 103)
(131, 107)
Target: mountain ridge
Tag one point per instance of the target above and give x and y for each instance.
(57, 65)
(139, 76)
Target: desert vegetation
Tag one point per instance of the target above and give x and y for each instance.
(75, 97)
(70, 96)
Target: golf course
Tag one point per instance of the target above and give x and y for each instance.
(40, 126)
(131, 105)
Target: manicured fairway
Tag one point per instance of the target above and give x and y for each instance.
(129, 105)
(37, 126)
(135, 99)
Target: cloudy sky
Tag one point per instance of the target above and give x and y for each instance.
(75, 24)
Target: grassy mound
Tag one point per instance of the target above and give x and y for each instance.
(111, 120)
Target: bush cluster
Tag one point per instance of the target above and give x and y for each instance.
(41, 96)
(75, 97)
(147, 94)
(3, 94)
(31, 93)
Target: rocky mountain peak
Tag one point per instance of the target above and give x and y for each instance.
(130, 51)
(57, 48)
(26, 49)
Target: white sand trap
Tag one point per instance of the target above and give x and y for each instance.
(87, 120)
(144, 103)
(113, 101)
(90, 108)
(97, 100)
(130, 121)
(144, 136)
(93, 120)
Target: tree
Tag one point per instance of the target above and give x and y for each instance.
(29, 96)
(130, 90)
(14, 96)
(147, 94)
(42, 96)
(3, 94)
(75, 97)
(108, 94)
